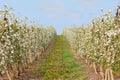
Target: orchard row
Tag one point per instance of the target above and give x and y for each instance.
(20, 43)
(98, 44)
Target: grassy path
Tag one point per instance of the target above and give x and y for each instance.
(60, 64)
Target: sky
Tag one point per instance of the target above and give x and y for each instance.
(61, 13)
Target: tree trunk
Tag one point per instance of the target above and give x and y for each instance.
(102, 72)
(106, 74)
(1, 78)
(8, 74)
(95, 69)
(111, 74)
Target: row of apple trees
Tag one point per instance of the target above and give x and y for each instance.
(20, 43)
(98, 44)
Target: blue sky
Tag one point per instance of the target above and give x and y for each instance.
(61, 13)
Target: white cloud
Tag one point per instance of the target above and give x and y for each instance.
(58, 8)
(48, 6)
(85, 3)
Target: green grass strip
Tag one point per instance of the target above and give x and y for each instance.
(60, 64)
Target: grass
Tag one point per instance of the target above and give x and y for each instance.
(60, 64)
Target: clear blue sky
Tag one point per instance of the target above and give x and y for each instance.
(61, 13)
